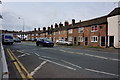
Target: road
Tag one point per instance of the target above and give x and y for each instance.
(63, 62)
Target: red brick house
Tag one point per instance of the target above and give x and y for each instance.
(94, 32)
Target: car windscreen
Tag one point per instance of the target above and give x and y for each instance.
(47, 40)
(8, 37)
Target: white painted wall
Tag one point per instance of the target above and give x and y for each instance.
(114, 29)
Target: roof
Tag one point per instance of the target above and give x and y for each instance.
(116, 11)
(96, 21)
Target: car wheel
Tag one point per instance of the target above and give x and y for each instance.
(57, 43)
(66, 44)
(37, 44)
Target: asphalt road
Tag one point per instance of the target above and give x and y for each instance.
(62, 62)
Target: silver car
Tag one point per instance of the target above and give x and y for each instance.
(63, 42)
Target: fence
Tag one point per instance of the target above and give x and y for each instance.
(3, 64)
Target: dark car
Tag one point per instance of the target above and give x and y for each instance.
(44, 42)
(17, 40)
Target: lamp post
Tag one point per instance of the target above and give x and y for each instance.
(23, 26)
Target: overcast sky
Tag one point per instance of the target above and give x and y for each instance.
(39, 14)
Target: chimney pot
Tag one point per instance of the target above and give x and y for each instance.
(73, 21)
(34, 29)
(56, 25)
(38, 29)
(60, 25)
(44, 28)
(66, 23)
(51, 26)
(48, 28)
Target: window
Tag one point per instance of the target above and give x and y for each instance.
(36, 34)
(54, 33)
(94, 39)
(59, 32)
(60, 38)
(70, 31)
(70, 38)
(54, 39)
(64, 32)
(80, 30)
(80, 39)
(94, 28)
(32, 34)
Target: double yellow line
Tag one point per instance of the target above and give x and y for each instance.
(21, 69)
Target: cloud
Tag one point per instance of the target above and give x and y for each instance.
(38, 14)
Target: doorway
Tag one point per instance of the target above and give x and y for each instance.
(111, 41)
(103, 41)
(86, 41)
(75, 40)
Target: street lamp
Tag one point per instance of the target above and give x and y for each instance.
(23, 25)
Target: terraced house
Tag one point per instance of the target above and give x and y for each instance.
(102, 31)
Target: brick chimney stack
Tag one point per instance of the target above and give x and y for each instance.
(35, 29)
(48, 28)
(44, 28)
(73, 21)
(56, 25)
(38, 29)
(66, 23)
(80, 21)
(51, 26)
(60, 25)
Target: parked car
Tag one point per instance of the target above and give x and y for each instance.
(33, 40)
(44, 42)
(7, 39)
(17, 40)
(63, 42)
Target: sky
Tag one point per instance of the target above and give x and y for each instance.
(44, 14)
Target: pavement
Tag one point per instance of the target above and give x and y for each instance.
(63, 61)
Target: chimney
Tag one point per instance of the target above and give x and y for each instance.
(60, 25)
(73, 21)
(80, 21)
(34, 29)
(66, 23)
(56, 26)
(38, 29)
(51, 26)
(48, 28)
(44, 28)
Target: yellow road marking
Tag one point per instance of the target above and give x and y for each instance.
(16, 65)
(28, 74)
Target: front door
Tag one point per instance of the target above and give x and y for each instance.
(111, 39)
(86, 41)
(103, 41)
(75, 40)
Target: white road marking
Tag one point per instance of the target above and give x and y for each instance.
(49, 57)
(79, 53)
(58, 64)
(63, 50)
(96, 56)
(72, 64)
(101, 72)
(23, 55)
(34, 49)
(20, 51)
(27, 53)
(101, 57)
(39, 67)
(114, 59)
(37, 54)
